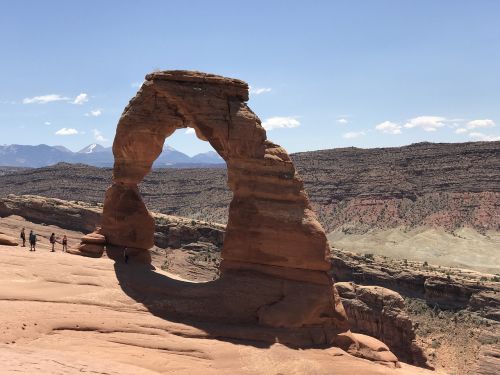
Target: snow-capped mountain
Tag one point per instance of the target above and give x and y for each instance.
(93, 148)
(96, 155)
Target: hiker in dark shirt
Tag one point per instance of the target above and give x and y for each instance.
(32, 239)
(23, 237)
(52, 240)
(65, 243)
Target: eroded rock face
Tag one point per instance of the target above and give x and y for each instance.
(73, 215)
(464, 290)
(379, 312)
(92, 245)
(8, 240)
(271, 231)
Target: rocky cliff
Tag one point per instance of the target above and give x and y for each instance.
(448, 185)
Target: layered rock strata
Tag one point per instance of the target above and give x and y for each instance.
(72, 215)
(92, 244)
(379, 312)
(443, 287)
(447, 185)
(273, 236)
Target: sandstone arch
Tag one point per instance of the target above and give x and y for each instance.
(272, 232)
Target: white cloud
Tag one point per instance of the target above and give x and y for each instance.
(486, 123)
(426, 123)
(461, 130)
(280, 123)
(353, 135)
(343, 121)
(47, 123)
(389, 127)
(66, 131)
(483, 137)
(258, 91)
(189, 131)
(98, 136)
(81, 98)
(44, 99)
(137, 84)
(94, 113)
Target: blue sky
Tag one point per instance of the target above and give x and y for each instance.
(324, 74)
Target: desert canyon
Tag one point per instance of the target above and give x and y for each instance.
(263, 292)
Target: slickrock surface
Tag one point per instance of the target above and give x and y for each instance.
(62, 314)
(12, 225)
(8, 240)
(489, 361)
(202, 241)
(451, 331)
(273, 240)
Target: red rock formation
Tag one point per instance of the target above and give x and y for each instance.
(379, 312)
(274, 267)
(8, 240)
(270, 223)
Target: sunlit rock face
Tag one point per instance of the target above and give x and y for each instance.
(272, 232)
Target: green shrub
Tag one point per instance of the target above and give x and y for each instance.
(435, 344)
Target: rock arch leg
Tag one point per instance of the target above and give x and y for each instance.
(272, 232)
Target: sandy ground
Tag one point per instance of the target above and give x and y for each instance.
(466, 248)
(66, 314)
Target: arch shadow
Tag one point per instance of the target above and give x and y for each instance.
(225, 309)
(274, 283)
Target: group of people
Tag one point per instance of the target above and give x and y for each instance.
(32, 238)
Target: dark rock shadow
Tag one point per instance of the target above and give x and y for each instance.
(226, 308)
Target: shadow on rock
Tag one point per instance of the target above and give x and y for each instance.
(229, 308)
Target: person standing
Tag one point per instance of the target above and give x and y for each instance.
(65, 243)
(52, 241)
(32, 239)
(23, 237)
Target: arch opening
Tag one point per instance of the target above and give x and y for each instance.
(274, 254)
(189, 200)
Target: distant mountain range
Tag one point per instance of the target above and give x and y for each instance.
(96, 155)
